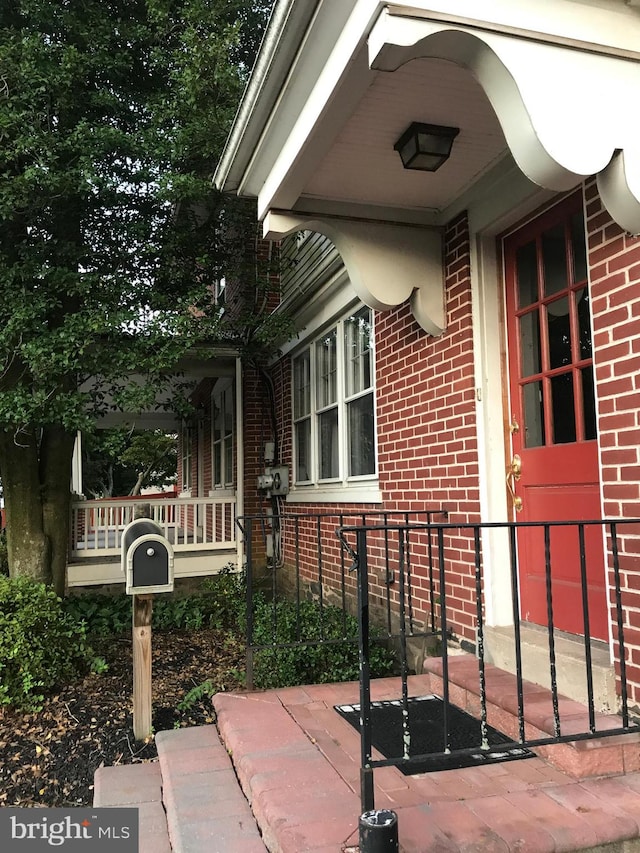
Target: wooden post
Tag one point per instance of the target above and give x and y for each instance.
(142, 611)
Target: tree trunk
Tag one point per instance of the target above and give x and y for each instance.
(56, 454)
(27, 544)
(36, 477)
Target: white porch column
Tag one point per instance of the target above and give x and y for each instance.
(76, 466)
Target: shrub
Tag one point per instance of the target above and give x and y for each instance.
(40, 645)
(323, 648)
(102, 615)
(320, 644)
(219, 605)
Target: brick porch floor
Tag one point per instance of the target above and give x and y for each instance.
(297, 763)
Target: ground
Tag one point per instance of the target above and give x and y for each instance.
(48, 758)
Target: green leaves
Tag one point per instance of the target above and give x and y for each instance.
(40, 645)
(112, 115)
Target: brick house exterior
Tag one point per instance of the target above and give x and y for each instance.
(503, 298)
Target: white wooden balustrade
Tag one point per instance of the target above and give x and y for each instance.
(190, 524)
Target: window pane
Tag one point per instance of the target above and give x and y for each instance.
(358, 352)
(228, 461)
(217, 464)
(303, 450)
(228, 412)
(564, 414)
(530, 343)
(584, 322)
(218, 419)
(527, 274)
(533, 414)
(559, 330)
(578, 247)
(326, 369)
(589, 404)
(302, 385)
(329, 443)
(554, 260)
(361, 436)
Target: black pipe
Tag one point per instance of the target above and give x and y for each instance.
(379, 831)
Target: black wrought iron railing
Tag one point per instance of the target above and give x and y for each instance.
(311, 564)
(429, 553)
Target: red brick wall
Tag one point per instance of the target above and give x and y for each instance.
(427, 448)
(614, 259)
(428, 451)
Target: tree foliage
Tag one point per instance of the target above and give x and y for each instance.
(112, 115)
(121, 462)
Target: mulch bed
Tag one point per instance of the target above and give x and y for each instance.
(48, 758)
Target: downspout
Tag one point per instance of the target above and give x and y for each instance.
(239, 463)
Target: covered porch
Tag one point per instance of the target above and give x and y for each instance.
(199, 516)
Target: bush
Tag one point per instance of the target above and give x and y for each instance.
(40, 645)
(102, 615)
(323, 642)
(309, 661)
(219, 605)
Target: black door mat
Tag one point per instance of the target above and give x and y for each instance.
(427, 737)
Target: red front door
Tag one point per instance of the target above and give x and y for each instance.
(553, 422)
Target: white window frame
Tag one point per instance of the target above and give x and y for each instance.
(222, 400)
(344, 486)
(186, 457)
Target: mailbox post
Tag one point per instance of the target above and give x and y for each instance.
(147, 563)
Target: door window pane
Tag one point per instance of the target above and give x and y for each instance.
(578, 247)
(584, 323)
(533, 414)
(564, 414)
(530, 343)
(361, 436)
(559, 331)
(526, 274)
(554, 260)
(588, 404)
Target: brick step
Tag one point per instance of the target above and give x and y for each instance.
(139, 786)
(206, 809)
(606, 756)
(189, 801)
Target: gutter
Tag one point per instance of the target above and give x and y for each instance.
(269, 72)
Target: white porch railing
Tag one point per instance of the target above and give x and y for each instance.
(190, 524)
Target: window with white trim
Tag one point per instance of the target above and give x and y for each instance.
(333, 404)
(222, 412)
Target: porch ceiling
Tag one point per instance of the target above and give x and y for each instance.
(362, 166)
(190, 371)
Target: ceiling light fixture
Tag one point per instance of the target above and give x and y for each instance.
(425, 146)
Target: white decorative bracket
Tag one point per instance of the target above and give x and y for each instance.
(387, 264)
(566, 113)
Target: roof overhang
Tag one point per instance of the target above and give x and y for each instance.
(549, 84)
(217, 362)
